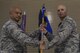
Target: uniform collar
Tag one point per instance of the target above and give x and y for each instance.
(64, 19)
(14, 21)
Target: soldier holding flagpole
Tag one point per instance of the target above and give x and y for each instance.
(67, 39)
(13, 38)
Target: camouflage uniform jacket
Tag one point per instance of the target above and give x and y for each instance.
(13, 39)
(67, 39)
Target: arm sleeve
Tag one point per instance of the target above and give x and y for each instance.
(63, 34)
(35, 34)
(21, 37)
(49, 36)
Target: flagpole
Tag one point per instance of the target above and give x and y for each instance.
(42, 22)
(42, 36)
(43, 19)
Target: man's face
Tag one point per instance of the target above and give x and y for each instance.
(61, 11)
(16, 14)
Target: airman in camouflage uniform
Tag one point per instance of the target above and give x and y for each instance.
(67, 39)
(12, 38)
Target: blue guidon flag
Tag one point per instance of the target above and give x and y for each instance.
(46, 21)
